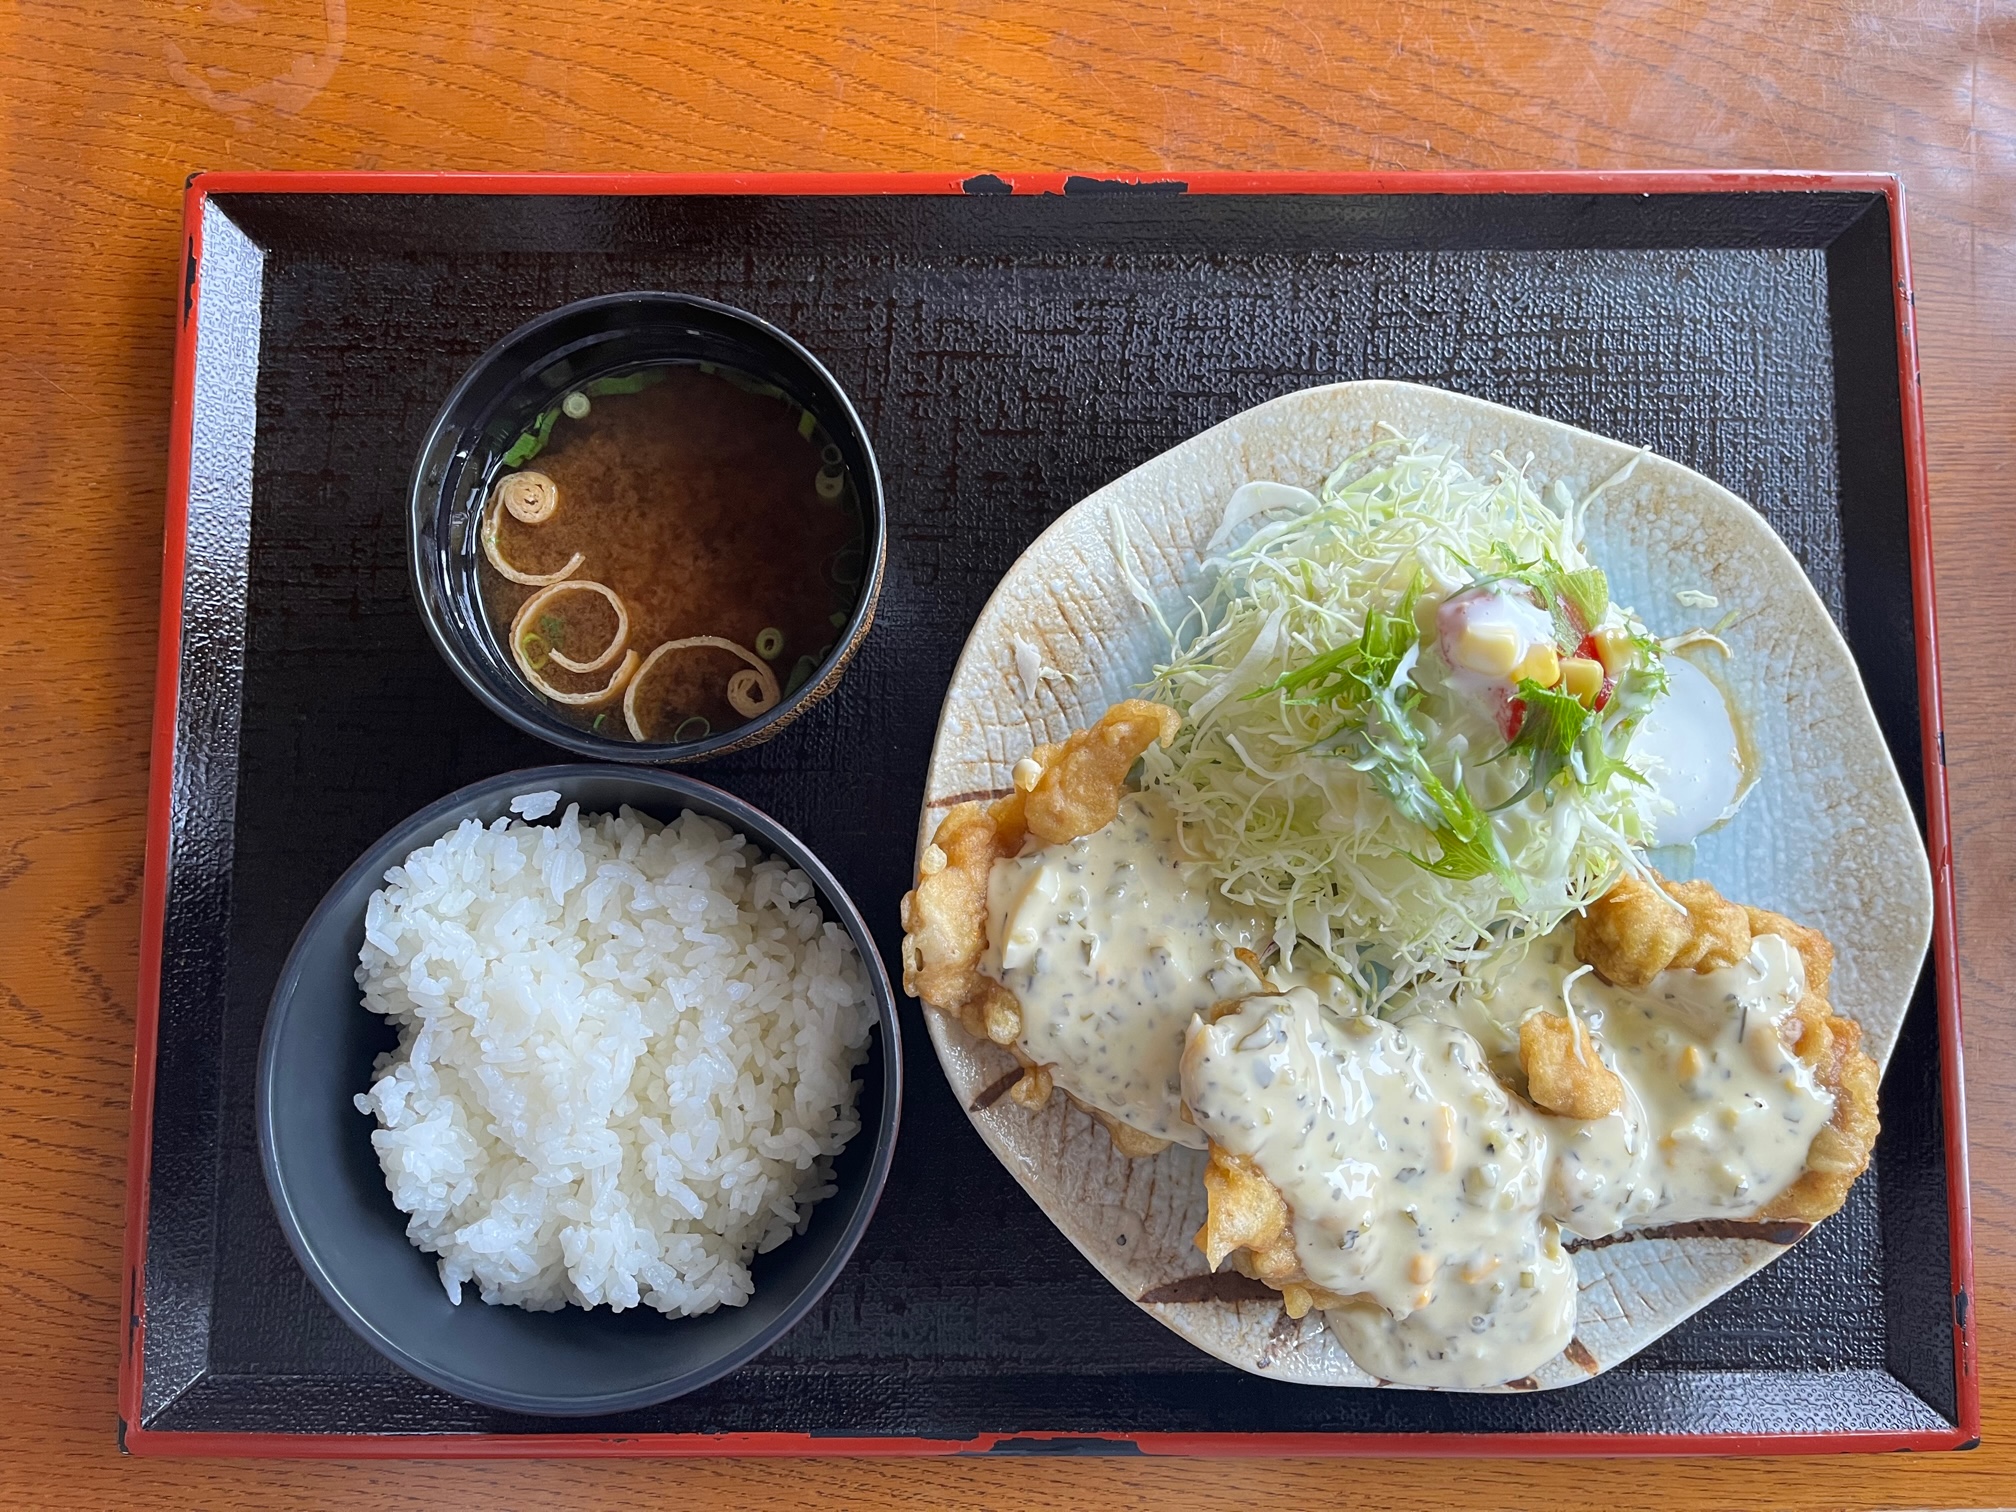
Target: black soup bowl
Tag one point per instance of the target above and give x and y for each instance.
(527, 377)
(331, 1198)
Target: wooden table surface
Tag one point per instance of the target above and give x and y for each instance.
(107, 106)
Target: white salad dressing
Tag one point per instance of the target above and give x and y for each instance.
(1415, 1183)
(1505, 618)
(1111, 943)
(1688, 748)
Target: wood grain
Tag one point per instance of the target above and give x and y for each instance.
(105, 107)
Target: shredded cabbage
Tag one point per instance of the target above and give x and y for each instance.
(1330, 775)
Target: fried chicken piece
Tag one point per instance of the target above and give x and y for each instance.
(1563, 1072)
(1247, 1218)
(1079, 790)
(1062, 792)
(945, 916)
(1840, 1152)
(1832, 1046)
(1630, 930)
(1244, 1211)
(1814, 949)
(1640, 928)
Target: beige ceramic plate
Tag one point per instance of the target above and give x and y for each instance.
(1826, 836)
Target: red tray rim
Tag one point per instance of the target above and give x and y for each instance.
(136, 1439)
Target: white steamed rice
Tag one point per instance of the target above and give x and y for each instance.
(625, 1057)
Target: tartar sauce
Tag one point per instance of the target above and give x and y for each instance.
(1420, 1186)
(1111, 943)
(1435, 1198)
(1415, 1182)
(1719, 1113)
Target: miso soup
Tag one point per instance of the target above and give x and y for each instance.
(670, 552)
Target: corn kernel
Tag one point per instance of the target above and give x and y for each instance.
(1613, 646)
(1541, 664)
(1487, 648)
(1421, 1269)
(1582, 677)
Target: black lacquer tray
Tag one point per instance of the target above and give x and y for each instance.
(1011, 346)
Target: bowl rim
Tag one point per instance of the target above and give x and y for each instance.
(424, 499)
(758, 827)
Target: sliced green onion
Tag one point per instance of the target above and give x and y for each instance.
(552, 627)
(537, 657)
(575, 406)
(829, 454)
(706, 728)
(837, 618)
(533, 441)
(845, 566)
(807, 423)
(598, 720)
(769, 643)
(626, 383)
(800, 675)
(749, 383)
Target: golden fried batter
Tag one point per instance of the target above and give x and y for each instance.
(1249, 1222)
(1840, 1152)
(1244, 1211)
(992, 1013)
(1247, 1218)
(945, 916)
(1127, 1139)
(1640, 928)
(1034, 1090)
(1079, 790)
(1832, 1046)
(1563, 1072)
(1630, 934)
(1813, 947)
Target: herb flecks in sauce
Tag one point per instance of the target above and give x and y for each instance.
(687, 511)
(1415, 1181)
(1110, 950)
(1402, 1148)
(1420, 1184)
